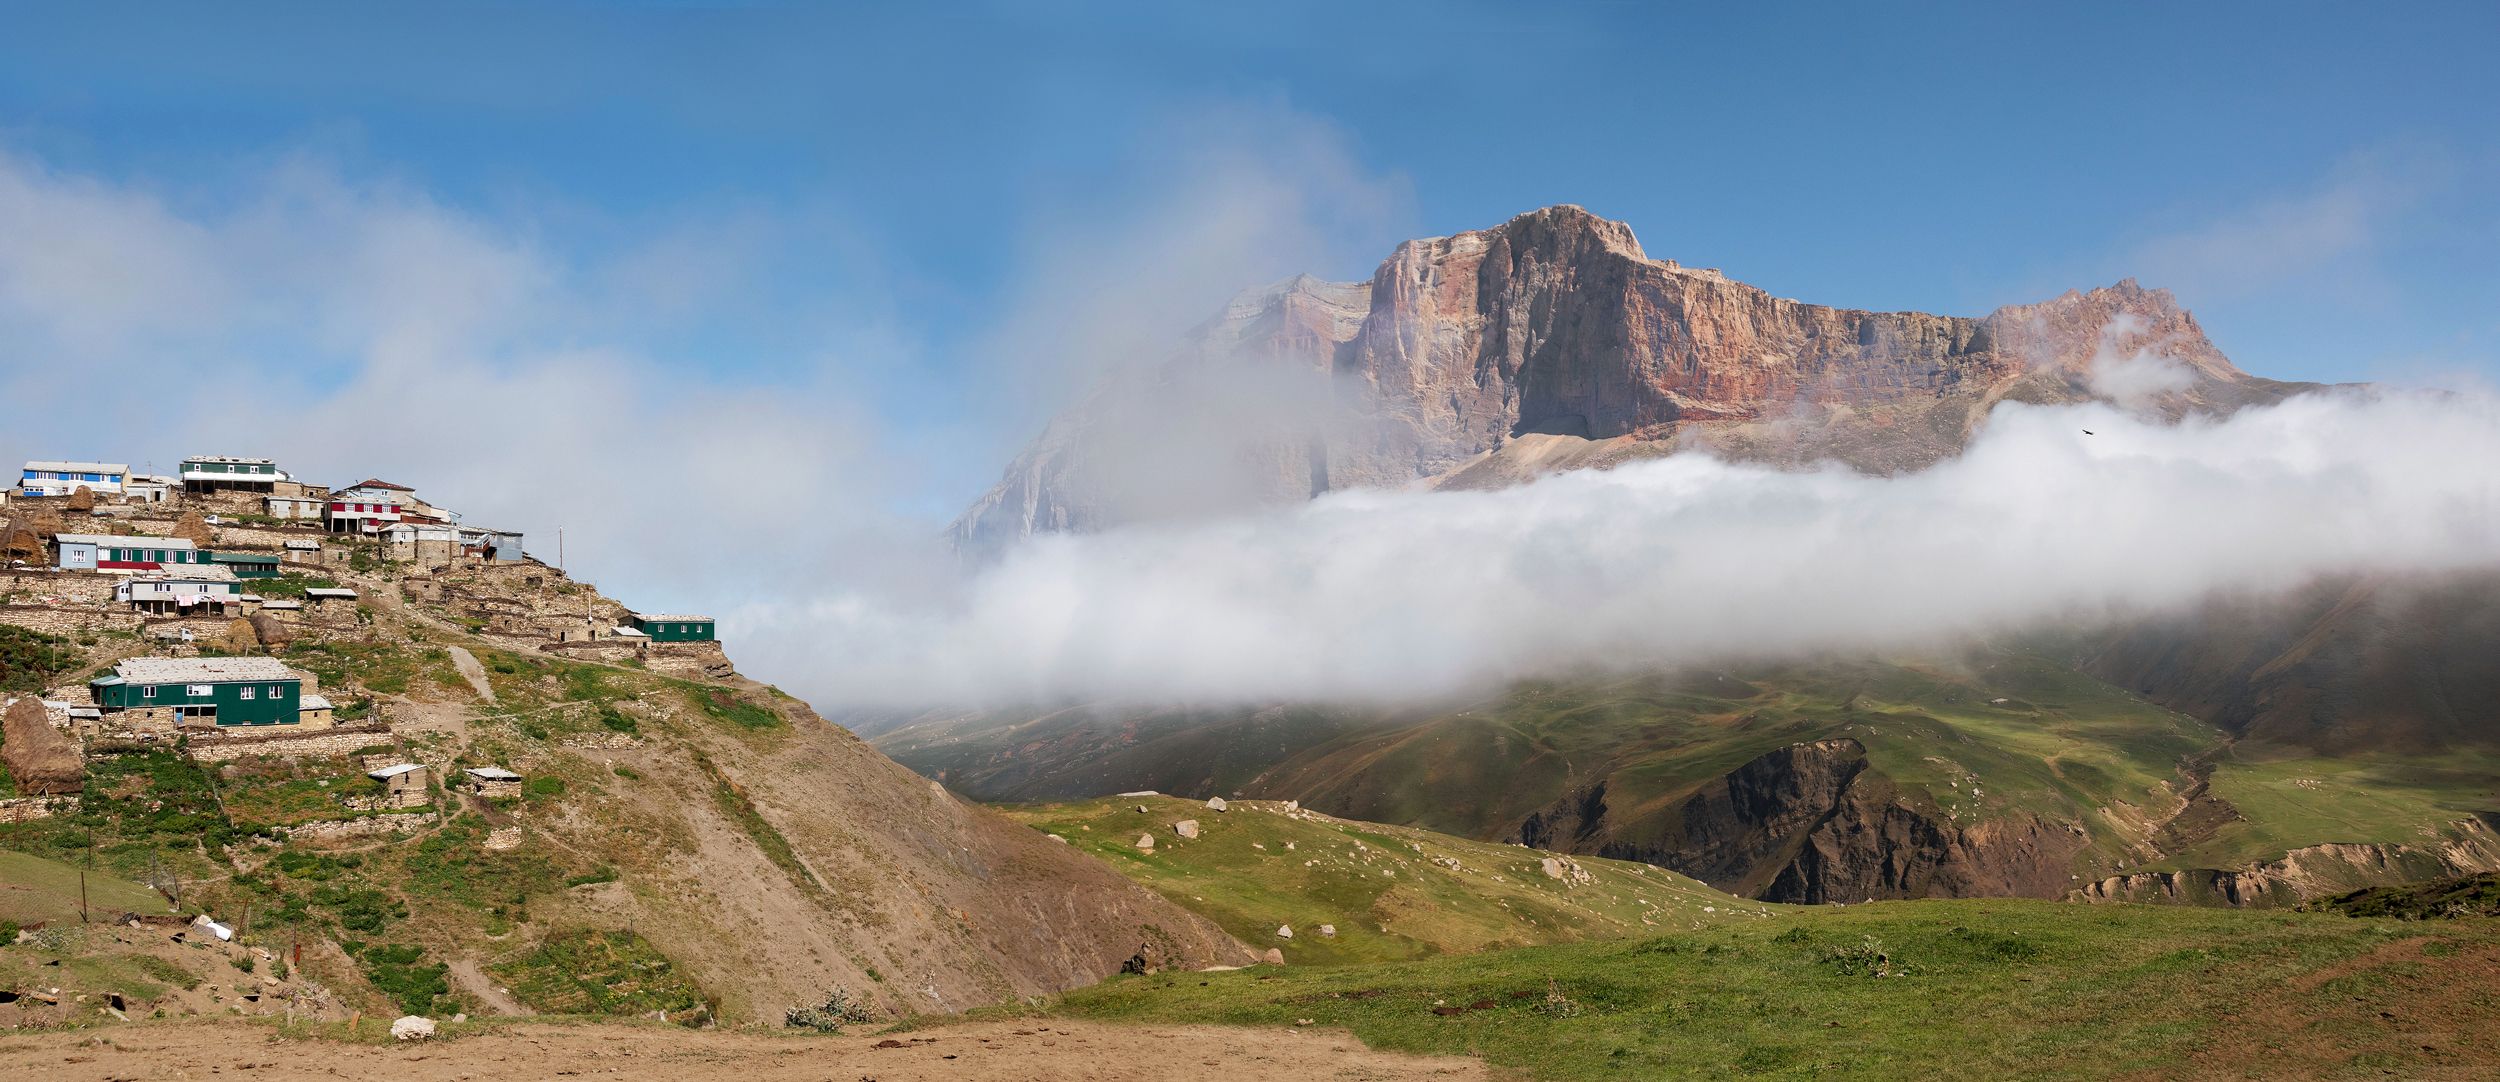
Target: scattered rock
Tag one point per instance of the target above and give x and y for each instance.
(1146, 842)
(1187, 828)
(412, 1028)
(1274, 957)
(1328, 929)
(1284, 931)
(1215, 803)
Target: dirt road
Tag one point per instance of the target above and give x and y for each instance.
(1050, 1052)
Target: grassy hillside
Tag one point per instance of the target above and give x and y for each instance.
(34, 889)
(2087, 779)
(1934, 989)
(1390, 892)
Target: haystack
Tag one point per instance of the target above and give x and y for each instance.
(43, 762)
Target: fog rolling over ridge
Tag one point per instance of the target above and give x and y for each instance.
(2052, 514)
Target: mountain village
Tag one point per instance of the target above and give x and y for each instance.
(227, 615)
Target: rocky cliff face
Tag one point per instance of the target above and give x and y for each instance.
(2465, 847)
(1808, 823)
(1557, 323)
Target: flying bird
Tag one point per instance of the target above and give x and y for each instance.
(2087, 432)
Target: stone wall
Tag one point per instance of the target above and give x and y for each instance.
(294, 744)
(691, 660)
(26, 808)
(362, 827)
(67, 620)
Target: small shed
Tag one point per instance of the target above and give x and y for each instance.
(323, 597)
(315, 710)
(493, 781)
(403, 784)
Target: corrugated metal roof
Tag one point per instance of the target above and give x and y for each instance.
(189, 573)
(394, 770)
(330, 591)
(303, 544)
(204, 670)
(125, 541)
(80, 467)
(492, 773)
(314, 702)
(663, 617)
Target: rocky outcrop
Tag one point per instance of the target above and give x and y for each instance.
(1557, 323)
(40, 760)
(2310, 872)
(1810, 823)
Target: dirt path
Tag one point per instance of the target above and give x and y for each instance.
(473, 979)
(1069, 1051)
(473, 672)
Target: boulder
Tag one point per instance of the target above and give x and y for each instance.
(1328, 929)
(1215, 803)
(1273, 957)
(1187, 828)
(44, 762)
(1146, 842)
(1284, 931)
(412, 1028)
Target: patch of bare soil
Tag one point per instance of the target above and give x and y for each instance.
(2415, 1009)
(1070, 1051)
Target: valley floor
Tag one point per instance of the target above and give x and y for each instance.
(1057, 1051)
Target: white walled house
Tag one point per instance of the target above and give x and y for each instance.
(116, 552)
(58, 478)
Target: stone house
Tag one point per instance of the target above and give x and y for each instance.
(403, 785)
(330, 597)
(427, 544)
(493, 781)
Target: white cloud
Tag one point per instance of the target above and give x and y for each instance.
(2326, 236)
(1689, 559)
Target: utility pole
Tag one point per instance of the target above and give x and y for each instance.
(82, 895)
(559, 548)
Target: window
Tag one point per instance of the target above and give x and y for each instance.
(277, 691)
(148, 692)
(246, 693)
(197, 691)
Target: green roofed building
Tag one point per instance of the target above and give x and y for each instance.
(161, 692)
(669, 627)
(247, 565)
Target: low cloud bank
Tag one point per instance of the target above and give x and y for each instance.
(1688, 559)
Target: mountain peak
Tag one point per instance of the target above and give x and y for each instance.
(1556, 324)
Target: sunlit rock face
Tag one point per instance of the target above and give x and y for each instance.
(1469, 358)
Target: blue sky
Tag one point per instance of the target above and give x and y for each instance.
(913, 230)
